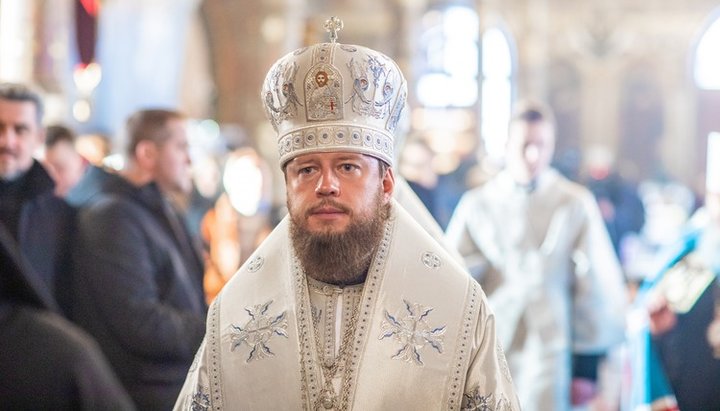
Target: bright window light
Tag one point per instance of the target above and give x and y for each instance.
(707, 59)
(450, 46)
(432, 90)
(496, 91)
(441, 90)
(497, 61)
(461, 58)
(461, 23)
(496, 97)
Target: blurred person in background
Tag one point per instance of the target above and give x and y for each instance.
(618, 198)
(62, 159)
(239, 219)
(416, 167)
(676, 340)
(138, 287)
(537, 244)
(95, 148)
(36, 218)
(46, 362)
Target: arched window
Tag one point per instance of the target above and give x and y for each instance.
(497, 89)
(707, 58)
(450, 48)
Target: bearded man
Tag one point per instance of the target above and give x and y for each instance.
(348, 303)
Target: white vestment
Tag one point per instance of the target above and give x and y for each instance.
(545, 260)
(407, 198)
(424, 335)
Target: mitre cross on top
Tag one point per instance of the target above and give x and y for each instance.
(332, 26)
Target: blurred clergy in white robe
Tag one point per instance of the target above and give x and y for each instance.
(537, 244)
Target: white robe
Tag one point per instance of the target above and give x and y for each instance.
(407, 198)
(545, 260)
(425, 337)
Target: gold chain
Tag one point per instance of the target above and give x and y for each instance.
(328, 399)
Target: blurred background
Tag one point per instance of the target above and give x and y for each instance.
(635, 86)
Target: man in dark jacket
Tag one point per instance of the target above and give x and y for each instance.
(38, 220)
(138, 286)
(46, 362)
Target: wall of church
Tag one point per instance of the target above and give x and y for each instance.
(617, 73)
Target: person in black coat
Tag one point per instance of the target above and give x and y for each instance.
(138, 284)
(38, 220)
(46, 362)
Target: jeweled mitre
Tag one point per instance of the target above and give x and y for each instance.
(334, 97)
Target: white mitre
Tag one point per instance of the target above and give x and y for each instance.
(334, 97)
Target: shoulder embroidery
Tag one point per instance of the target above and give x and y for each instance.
(259, 329)
(200, 400)
(412, 330)
(431, 260)
(256, 264)
(475, 401)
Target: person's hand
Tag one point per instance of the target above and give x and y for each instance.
(662, 318)
(582, 391)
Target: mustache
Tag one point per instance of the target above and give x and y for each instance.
(328, 203)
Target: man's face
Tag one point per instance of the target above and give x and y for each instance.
(20, 135)
(327, 191)
(338, 206)
(65, 165)
(530, 149)
(172, 170)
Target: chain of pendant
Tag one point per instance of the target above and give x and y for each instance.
(330, 371)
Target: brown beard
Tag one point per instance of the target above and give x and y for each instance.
(340, 258)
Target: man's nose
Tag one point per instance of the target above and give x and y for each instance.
(7, 136)
(328, 184)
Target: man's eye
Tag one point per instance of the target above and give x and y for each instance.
(349, 167)
(305, 170)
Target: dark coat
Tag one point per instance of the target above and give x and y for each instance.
(44, 229)
(45, 361)
(138, 289)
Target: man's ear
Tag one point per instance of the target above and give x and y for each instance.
(146, 153)
(388, 183)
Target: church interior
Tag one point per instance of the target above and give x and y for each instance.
(634, 86)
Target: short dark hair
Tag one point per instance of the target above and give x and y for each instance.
(149, 125)
(532, 112)
(22, 93)
(58, 133)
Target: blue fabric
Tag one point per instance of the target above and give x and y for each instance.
(649, 380)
